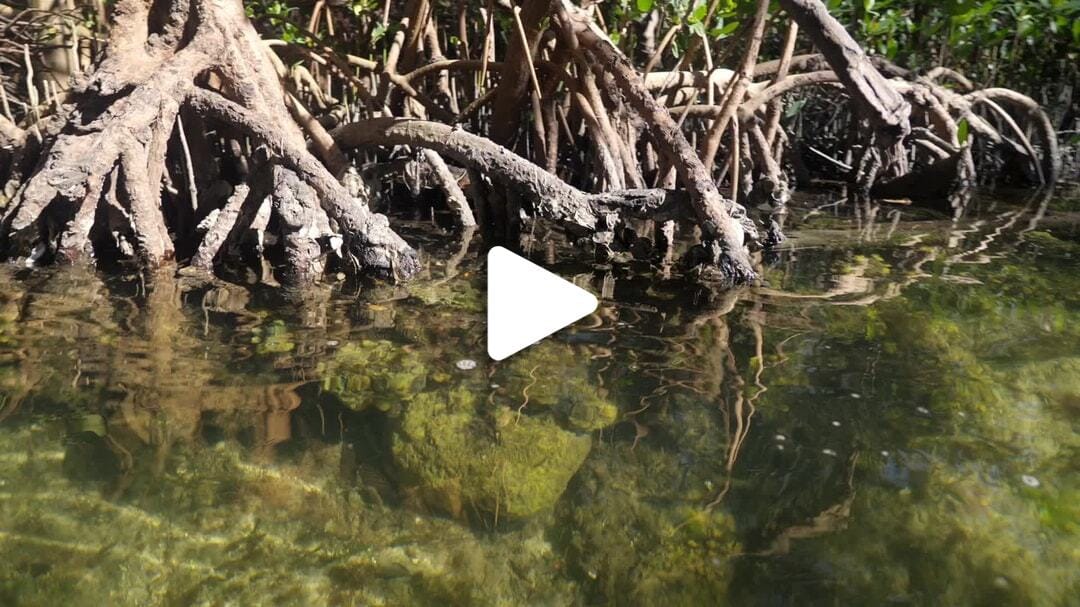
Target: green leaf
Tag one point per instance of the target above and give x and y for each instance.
(699, 14)
(723, 32)
(378, 33)
(644, 6)
(891, 48)
(794, 108)
(962, 131)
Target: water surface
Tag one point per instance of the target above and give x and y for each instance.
(894, 417)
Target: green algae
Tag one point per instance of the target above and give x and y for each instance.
(639, 536)
(550, 376)
(373, 373)
(208, 526)
(456, 461)
(1043, 242)
(273, 338)
(640, 523)
(568, 474)
(461, 295)
(870, 266)
(967, 541)
(977, 503)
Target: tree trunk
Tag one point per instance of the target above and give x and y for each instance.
(205, 57)
(878, 101)
(719, 218)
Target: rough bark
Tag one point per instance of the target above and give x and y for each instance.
(719, 218)
(296, 207)
(886, 109)
(369, 241)
(736, 89)
(547, 195)
(160, 54)
(514, 73)
(455, 197)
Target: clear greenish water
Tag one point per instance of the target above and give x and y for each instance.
(893, 419)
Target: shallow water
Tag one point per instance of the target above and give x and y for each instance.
(893, 418)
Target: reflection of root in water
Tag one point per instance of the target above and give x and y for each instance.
(525, 394)
(742, 409)
(829, 520)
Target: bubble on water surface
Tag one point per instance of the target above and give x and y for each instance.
(829, 452)
(1030, 481)
(466, 364)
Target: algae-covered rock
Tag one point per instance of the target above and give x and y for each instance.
(1045, 242)
(971, 543)
(375, 373)
(550, 375)
(458, 294)
(973, 500)
(457, 461)
(591, 412)
(1056, 380)
(636, 533)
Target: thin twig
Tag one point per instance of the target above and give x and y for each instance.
(487, 44)
(528, 52)
(189, 167)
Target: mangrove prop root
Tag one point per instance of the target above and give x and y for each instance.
(548, 196)
(193, 137)
(717, 216)
(123, 115)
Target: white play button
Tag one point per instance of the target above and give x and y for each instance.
(526, 303)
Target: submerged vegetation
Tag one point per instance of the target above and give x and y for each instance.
(204, 399)
(893, 419)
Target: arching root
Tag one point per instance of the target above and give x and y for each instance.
(203, 55)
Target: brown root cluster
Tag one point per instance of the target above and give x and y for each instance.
(195, 139)
(98, 186)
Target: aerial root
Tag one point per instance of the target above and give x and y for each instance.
(118, 135)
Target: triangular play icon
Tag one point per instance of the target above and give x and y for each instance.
(526, 303)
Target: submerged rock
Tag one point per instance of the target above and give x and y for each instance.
(456, 461)
(549, 375)
(373, 373)
(88, 458)
(977, 544)
(634, 538)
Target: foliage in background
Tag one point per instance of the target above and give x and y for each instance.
(1018, 43)
(1024, 44)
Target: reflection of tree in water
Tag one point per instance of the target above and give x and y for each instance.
(692, 490)
(723, 358)
(180, 447)
(942, 422)
(135, 355)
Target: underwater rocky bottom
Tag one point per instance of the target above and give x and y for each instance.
(893, 417)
